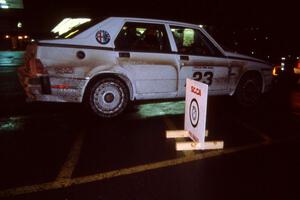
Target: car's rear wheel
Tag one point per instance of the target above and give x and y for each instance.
(249, 90)
(108, 97)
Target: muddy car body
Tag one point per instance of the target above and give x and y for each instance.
(106, 64)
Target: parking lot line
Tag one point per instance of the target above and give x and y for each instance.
(64, 183)
(68, 167)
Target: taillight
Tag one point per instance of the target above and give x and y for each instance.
(36, 67)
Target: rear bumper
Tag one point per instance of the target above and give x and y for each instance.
(45, 88)
(34, 85)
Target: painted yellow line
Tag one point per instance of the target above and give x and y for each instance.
(122, 172)
(72, 159)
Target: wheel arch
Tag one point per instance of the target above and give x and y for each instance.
(118, 76)
(248, 73)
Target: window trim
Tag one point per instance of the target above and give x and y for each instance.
(165, 29)
(220, 54)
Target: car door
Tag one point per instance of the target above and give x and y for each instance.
(200, 60)
(144, 51)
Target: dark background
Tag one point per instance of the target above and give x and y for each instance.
(265, 29)
(273, 13)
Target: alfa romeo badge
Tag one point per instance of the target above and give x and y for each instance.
(102, 37)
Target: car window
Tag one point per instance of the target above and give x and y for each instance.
(193, 41)
(76, 29)
(143, 37)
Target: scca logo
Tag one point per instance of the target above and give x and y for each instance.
(196, 90)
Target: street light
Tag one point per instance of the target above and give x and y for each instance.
(19, 25)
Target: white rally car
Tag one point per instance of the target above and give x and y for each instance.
(108, 63)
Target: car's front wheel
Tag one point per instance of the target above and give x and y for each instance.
(108, 97)
(249, 90)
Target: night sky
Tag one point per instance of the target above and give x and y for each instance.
(202, 11)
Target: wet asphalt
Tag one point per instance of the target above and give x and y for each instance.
(81, 157)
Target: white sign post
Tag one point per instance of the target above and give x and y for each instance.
(195, 119)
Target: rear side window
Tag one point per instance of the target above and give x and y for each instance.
(193, 41)
(77, 29)
(143, 37)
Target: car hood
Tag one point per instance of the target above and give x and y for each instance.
(243, 57)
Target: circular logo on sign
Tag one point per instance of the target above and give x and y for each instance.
(102, 37)
(194, 113)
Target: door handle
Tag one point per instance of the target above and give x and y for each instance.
(124, 55)
(184, 57)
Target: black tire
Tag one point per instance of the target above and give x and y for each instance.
(107, 97)
(249, 90)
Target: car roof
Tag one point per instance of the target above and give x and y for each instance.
(155, 21)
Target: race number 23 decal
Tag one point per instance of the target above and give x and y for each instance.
(204, 77)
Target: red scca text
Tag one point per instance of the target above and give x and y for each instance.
(196, 90)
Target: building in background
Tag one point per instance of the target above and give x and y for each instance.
(13, 37)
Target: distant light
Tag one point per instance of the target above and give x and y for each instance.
(297, 57)
(282, 58)
(68, 23)
(266, 37)
(25, 36)
(32, 40)
(4, 6)
(20, 37)
(274, 71)
(19, 25)
(268, 56)
(201, 26)
(252, 52)
(282, 64)
(7, 36)
(298, 64)
(254, 39)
